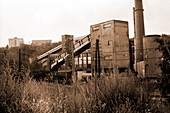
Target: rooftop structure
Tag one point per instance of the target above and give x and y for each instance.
(40, 42)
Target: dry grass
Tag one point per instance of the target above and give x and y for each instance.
(107, 94)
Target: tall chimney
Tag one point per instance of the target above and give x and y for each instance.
(139, 30)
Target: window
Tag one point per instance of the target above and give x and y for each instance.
(108, 43)
(95, 28)
(107, 25)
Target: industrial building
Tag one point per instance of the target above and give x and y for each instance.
(113, 39)
(108, 49)
(152, 57)
(15, 42)
(147, 55)
(40, 42)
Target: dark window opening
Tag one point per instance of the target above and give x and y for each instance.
(108, 43)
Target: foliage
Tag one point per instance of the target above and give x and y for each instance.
(164, 48)
(28, 53)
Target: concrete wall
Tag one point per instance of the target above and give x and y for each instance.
(152, 56)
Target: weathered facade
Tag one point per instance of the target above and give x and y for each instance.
(113, 39)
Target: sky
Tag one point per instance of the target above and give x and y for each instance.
(49, 19)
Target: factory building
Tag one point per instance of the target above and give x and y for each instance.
(108, 46)
(15, 42)
(40, 42)
(152, 57)
(147, 56)
(113, 39)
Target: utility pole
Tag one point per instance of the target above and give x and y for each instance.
(20, 62)
(87, 59)
(73, 64)
(82, 60)
(74, 76)
(49, 63)
(97, 68)
(97, 61)
(115, 57)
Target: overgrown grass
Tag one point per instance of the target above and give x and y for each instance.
(106, 94)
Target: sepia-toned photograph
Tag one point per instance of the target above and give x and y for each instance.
(84, 56)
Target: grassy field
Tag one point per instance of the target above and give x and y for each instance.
(106, 94)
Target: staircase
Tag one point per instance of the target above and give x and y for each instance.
(80, 46)
(52, 51)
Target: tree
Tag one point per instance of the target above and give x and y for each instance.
(164, 48)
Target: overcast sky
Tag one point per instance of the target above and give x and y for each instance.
(49, 19)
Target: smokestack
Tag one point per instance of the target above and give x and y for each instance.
(139, 30)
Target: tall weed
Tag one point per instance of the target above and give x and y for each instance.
(106, 94)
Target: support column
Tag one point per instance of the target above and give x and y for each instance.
(67, 47)
(87, 59)
(78, 61)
